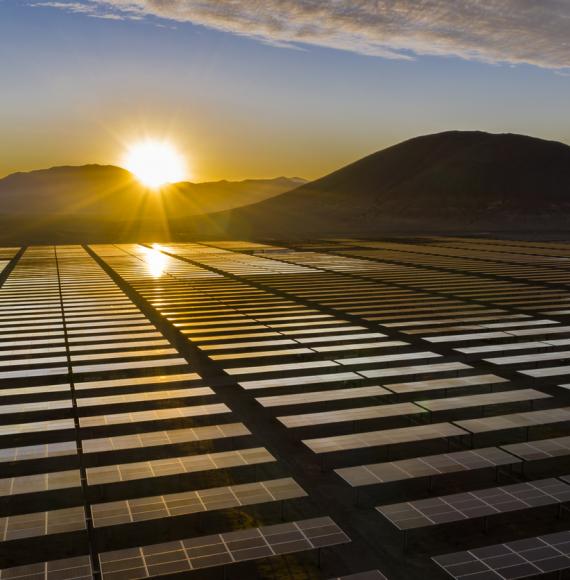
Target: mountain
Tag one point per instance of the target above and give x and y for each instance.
(452, 181)
(105, 204)
(112, 193)
(457, 181)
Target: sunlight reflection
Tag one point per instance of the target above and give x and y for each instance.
(155, 261)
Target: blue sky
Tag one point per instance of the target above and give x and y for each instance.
(77, 89)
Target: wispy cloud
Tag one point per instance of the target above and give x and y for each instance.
(91, 9)
(511, 31)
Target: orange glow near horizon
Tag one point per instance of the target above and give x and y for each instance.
(155, 163)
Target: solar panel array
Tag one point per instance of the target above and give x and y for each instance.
(159, 401)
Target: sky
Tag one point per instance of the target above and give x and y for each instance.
(248, 89)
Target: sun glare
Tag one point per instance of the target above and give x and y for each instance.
(155, 261)
(155, 163)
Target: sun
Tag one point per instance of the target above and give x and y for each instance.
(155, 163)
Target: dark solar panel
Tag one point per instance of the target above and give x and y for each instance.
(542, 449)
(221, 549)
(190, 502)
(476, 504)
(78, 568)
(519, 559)
(428, 466)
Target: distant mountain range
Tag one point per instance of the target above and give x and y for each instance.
(112, 193)
(452, 181)
(102, 203)
(457, 181)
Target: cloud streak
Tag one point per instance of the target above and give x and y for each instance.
(497, 31)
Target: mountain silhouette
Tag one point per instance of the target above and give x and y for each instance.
(95, 203)
(452, 181)
(457, 181)
(109, 192)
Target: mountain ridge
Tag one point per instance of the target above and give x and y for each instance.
(454, 181)
(108, 191)
(449, 180)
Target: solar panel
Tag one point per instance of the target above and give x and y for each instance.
(177, 465)
(429, 466)
(156, 438)
(415, 370)
(221, 549)
(503, 347)
(466, 337)
(383, 438)
(144, 396)
(299, 381)
(281, 367)
(39, 482)
(542, 449)
(527, 558)
(547, 372)
(515, 420)
(136, 381)
(78, 568)
(387, 358)
(476, 504)
(484, 400)
(322, 396)
(41, 451)
(358, 414)
(123, 366)
(153, 415)
(42, 523)
(190, 502)
(529, 358)
(35, 407)
(444, 384)
(36, 427)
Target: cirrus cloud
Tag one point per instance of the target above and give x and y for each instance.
(499, 31)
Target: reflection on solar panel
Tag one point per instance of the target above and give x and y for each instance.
(519, 559)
